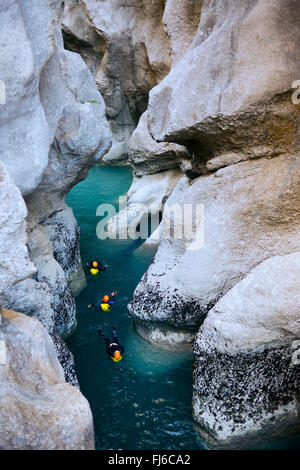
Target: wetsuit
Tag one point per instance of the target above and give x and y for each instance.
(112, 346)
(99, 267)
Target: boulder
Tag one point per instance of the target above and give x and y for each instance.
(247, 368)
(247, 219)
(38, 409)
(142, 202)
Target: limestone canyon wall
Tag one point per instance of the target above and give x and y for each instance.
(220, 117)
(228, 102)
(198, 99)
(52, 130)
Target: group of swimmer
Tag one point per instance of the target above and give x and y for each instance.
(113, 348)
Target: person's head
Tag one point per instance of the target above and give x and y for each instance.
(95, 264)
(106, 298)
(117, 355)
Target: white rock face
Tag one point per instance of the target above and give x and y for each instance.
(60, 132)
(147, 156)
(129, 47)
(15, 264)
(235, 325)
(247, 371)
(143, 201)
(231, 91)
(127, 51)
(38, 409)
(53, 129)
(181, 20)
(24, 137)
(245, 217)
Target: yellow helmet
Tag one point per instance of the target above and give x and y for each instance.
(95, 264)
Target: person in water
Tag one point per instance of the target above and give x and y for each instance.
(113, 348)
(105, 304)
(95, 267)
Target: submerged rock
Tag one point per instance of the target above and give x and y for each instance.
(166, 336)
(247, 369)
(38, 409)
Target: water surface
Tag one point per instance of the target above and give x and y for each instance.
(144, 401)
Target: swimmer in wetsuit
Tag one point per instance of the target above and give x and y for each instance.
(113, 348)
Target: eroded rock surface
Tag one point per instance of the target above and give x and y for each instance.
(132, 220)
(129, 47)
(53, 129)
(15, 264)
(38, 409)
(247, 371)
(146, 156)
(245, 217)
(230, 92)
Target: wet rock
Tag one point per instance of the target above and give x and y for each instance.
(247, 372)
(64, 234)
(38, 409)
(245, 217)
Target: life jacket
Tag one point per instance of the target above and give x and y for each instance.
(105, 307)
(94, 271)
(116, 360)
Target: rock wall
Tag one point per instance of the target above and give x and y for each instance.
(52, 130)
(218, 129)
(38, 409)
(247, 372)
(227, 102)
(129, 47)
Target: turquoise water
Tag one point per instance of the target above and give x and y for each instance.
(144, 401)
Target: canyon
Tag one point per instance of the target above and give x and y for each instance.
(195, 96)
